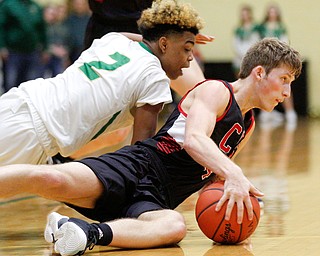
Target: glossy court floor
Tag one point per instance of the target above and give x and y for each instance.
(284, 164)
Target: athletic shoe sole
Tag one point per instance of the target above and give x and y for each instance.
(52, 226)
(70, 239)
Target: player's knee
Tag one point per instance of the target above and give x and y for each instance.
(176, 228)
(180, 231)
(49, 179)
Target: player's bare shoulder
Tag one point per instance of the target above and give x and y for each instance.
(212, 95)
(212, 90)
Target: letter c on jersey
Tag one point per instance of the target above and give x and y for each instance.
(223, 143)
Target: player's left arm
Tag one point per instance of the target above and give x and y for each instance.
(145, 121)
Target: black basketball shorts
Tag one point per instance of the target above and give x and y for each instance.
(133, 184)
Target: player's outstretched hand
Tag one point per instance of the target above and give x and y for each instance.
(203, 39)
(238, 192)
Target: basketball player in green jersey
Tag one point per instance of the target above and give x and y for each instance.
(113, 84)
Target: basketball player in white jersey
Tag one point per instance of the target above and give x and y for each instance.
(133, 193)
(115, 83)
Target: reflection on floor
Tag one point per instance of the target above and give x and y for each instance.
(284, 164)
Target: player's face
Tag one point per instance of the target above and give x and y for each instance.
(276, 87)
(177, 54)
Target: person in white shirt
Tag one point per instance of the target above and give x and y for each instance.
(114, 83)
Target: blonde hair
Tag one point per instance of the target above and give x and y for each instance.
(169, 15)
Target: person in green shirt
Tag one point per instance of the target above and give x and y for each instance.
(273, 26)
(22, 41)
(244, 36)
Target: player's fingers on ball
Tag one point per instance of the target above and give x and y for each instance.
(249, 207)
(240, 209)
(222, 200)
(219, 205)
(255, 191)
(230, 206)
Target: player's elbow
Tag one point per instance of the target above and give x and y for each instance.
(190, 142)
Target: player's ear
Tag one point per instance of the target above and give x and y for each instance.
(259, 72)
(163, 43)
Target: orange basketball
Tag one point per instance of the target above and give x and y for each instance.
(213, 224)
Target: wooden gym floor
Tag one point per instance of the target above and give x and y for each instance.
(283, 164)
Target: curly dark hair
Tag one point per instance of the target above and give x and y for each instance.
(165, 17)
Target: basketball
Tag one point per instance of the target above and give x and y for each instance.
(213, 224)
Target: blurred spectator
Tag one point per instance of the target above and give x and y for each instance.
(22, 41)
(77, 21)
(273, 26)
(113, 16)
(1, 77)
(245, 35)
(58, 37)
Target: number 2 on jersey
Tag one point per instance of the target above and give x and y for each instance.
(87, 69)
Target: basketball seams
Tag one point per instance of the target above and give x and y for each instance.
(210, 189)
(200, 213)
(255, 219)
(217, 229)
(254, 212)
(240, 233)
(215, 202)
(220, 233)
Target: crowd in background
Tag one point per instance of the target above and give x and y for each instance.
(39, 41)
(66, 26)
(245, 35)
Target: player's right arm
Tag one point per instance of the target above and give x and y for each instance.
(209, 102)
(145, 121)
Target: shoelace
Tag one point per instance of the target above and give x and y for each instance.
(92, 241)
(53, 239)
